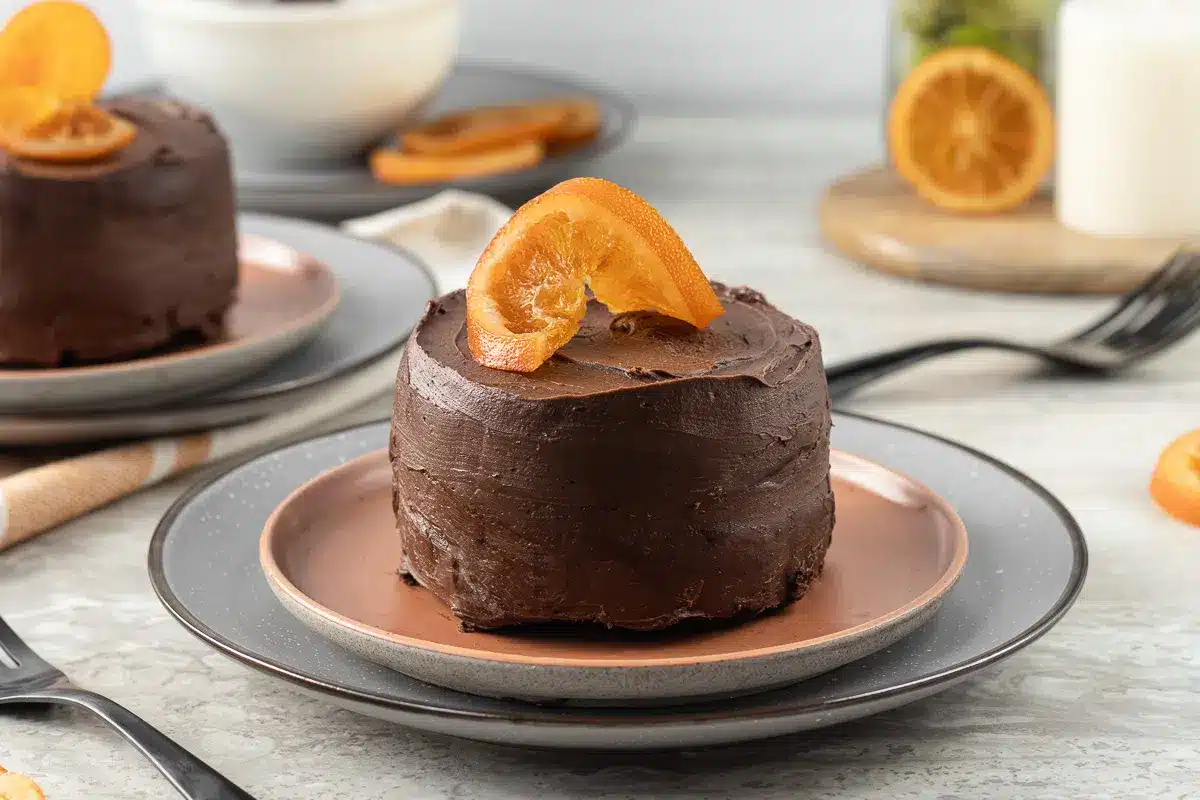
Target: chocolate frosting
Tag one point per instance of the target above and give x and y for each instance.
(105, 259)
(647, 474)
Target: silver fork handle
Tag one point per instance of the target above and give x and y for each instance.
(193, 778)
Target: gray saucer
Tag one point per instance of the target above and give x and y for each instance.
(351, 191)
(383, 293)
(1026, 567)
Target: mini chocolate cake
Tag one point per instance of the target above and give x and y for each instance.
(106, 259)
(649, 473)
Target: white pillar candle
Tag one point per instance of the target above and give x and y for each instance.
(1128, 107)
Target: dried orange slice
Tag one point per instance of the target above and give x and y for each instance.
(72, 133)
(1175, 485)
(389, 165)
(526, 296)
(485, 129)
(14, 786)
(971, 131)
(22, 107)
(58, 46)
(582, 123)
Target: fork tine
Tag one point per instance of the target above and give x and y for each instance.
(14, 646)
(1171, 307)
(1181, 265)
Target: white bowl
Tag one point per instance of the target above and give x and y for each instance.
(302, 84)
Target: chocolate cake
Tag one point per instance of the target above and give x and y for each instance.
(104, 260)
(649, 473)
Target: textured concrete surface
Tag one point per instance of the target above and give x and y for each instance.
(1106, 706)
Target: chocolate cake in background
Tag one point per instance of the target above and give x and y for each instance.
(649, 473)
(107, 259)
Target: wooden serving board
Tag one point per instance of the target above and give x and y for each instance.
(875, 218)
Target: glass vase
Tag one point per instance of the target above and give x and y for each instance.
(1020, 30)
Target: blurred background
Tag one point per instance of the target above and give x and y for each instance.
(701, 57)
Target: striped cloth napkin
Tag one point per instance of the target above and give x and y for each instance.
(40, 489)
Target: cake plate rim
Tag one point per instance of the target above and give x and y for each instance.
(640, 729)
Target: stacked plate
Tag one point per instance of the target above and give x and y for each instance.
(299, 582)
(314, 304)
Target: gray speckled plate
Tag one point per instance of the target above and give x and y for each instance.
(351, 191)
(1027, 564)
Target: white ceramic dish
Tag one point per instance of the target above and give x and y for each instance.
(301, 84)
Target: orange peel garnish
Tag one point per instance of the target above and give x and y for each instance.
(389, 165)
(527, 294)
(58, 46)
(73, 133)
(14, 786)
(1175, 485)
(972, 131)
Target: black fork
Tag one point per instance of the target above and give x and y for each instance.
(26, 679)
(1146, 321)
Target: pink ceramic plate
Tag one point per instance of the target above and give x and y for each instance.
(330, 553)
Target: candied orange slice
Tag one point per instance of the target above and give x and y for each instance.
(527, 293)
(971, 131)
(22, 107)
(1175, 485)
(72, 133)
(58, 46)
(389, 165)
(14, 786)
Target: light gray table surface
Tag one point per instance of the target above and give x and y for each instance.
(1107, 705)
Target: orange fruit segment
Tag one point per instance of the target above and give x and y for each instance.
(527, 294)
(14, 786)
(1175, 485)
(972, 131)
(58, 46)
(389, 165)
(71, 133)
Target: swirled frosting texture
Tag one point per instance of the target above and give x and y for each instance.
(649, 473)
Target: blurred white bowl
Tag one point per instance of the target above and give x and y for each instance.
(302, 84)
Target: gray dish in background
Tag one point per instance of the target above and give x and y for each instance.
(383, 294)
(351, 191)
(1027, 565)
(284, 300)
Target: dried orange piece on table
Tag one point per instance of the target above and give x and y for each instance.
(18, 787)
(971, 131)
(527, 293)
(73, 133)
(486, 128)
(58, 46)
(389, 165)
(1175, 485)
